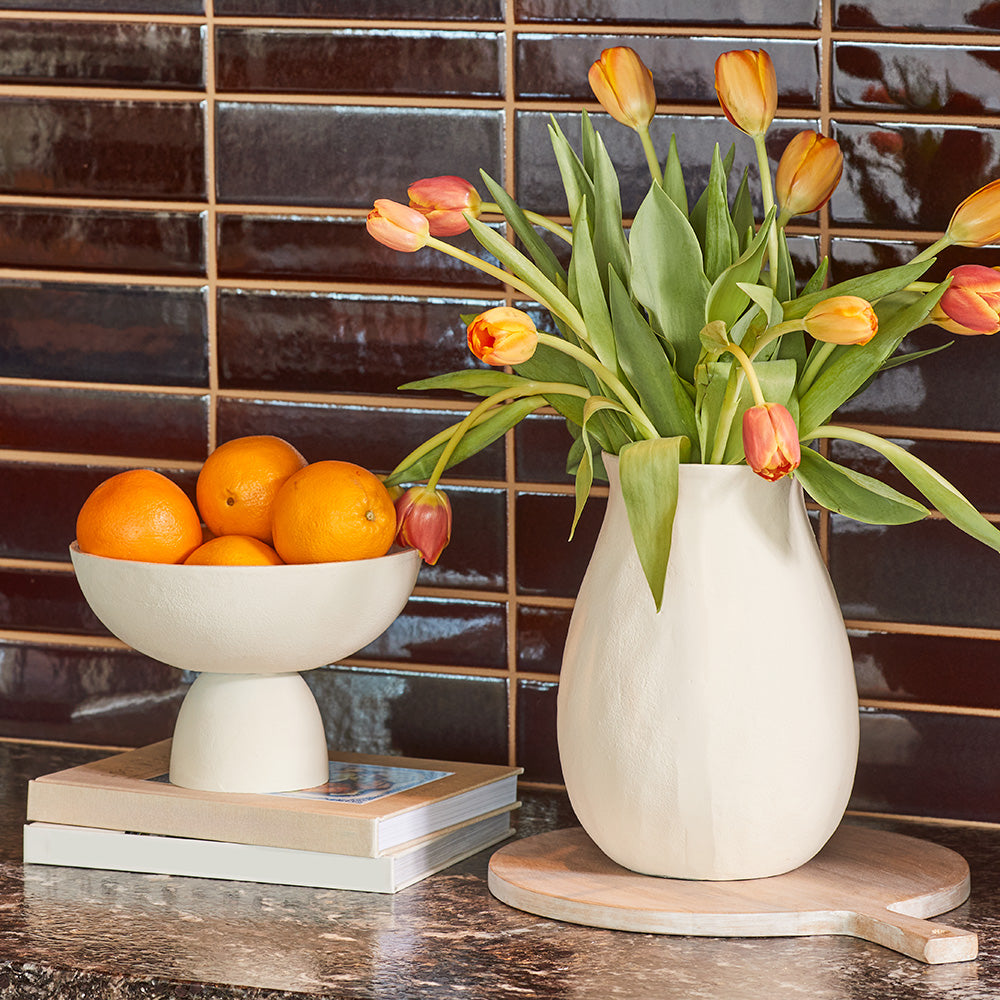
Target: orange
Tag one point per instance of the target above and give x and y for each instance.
(233, 550)
(239, 480)
(331, 511)
(141, 515)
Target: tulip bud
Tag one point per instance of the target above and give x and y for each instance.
(503, 336)
(397, 226)
(423, 521)
(808, 173)
(747, 89)
(976, 221)
(843, 319)
(623, 84)
(443, 201)
(971, 303)
(770, 441)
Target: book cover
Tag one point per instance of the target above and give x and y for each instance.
(371, 805)
(90, 847)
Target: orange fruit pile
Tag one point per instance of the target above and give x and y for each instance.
(262, 504)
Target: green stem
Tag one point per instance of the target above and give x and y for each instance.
(542, 221)
(935, 248)
(737, 352)
(652, 161)
(773, 333)
(767, 195)
(726, 414)
(812, 369)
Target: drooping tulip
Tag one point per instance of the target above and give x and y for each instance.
(808, 174)
(443, 201)
(976, 221)
(423, 521)
(503, 336)
(771, 441)
(748, 89)
(623, 84)
(397, 226)
(971, 304)
(843, 319)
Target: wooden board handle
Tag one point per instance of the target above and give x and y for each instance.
(923, 940)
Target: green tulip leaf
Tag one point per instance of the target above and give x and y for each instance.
(726, 298)
(742, 212)
(481, 381)
(586, 289)
(673, 178)
(719, 241)
(576, 183)
(610, 243)
(585, 469)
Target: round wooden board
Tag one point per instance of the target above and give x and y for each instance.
(869, 884)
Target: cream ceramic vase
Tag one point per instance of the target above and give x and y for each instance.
(717, 739)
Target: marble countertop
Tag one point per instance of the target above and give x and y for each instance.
(71, 933)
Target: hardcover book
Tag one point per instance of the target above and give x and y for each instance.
(370, 805)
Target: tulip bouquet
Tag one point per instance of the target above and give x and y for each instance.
(684, 337)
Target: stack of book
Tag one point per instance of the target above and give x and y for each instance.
(379, 825)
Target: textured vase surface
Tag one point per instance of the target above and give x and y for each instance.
(718, 738)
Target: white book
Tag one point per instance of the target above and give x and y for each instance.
(91, 847)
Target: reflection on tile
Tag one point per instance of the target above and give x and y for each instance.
(407, 10)
(541, 444)
(338, 343)
(104, 333)
(49, 601)
(347, 61)
(435, 716)
(147, 425)
(556, 66)
(933, 670)
(110, 696)
(936, 78)
(928, 764)
(926, 15)
(378, 438)
(928, 572)
(303, 154)
(339, 249)
(892, 173)
(110, 149)
(791, 13)
(40, 504)
(98, 52)
(111, 6)
(537, 751)
(852, 257)
(455, 633)
(541, 638)
(103, 240)
(543, 521)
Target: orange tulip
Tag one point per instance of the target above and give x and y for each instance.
(976, 221)
(398, 227)
(623, 84)
(808, 174)
(503, 336)
(423, 521)
(747, 89)
(771, 441)
(971, 304)
(444, 202)
(844, 319)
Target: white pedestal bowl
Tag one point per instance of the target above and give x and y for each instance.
(249, 722)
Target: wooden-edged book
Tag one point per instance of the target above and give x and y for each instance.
(370, 806)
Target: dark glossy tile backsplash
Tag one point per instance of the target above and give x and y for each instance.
(183, 260)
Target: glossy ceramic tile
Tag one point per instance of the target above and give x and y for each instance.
(907, 77)
(338, 343)
(927, 669)
(347, 61)
(451, 633)
(335, 248)
(110, 6)
(108, 149)
(168, 243)
(436, 716)
(101, 53)
(541, 445)
(928, 764)
(407, 10)
(309, 155)
(40, 504)
(541, 637)
(49, 601)
(556, 66)
(104, 333)
(148, 425)
(792, 13)
(927, 572)
(851, 257)
(959, 15)
(537, 752)
(378, 438)
(893, 173)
